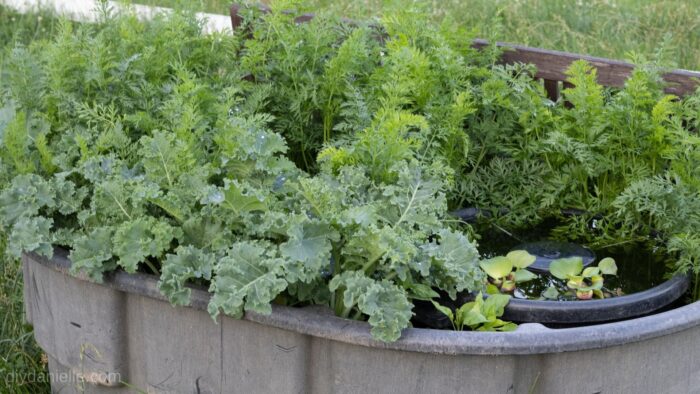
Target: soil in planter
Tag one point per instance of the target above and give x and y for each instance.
(639, 268)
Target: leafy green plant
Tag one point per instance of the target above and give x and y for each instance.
(480, 314)
(617, 167)
(506, 271)
(325, 80)
(585, 282)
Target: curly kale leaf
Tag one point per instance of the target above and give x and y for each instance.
(31, 234)
(119, 198)
(206, 232)
(187, 263)
(416, 197)
(385, 303)
(308, 250)
(21, 207)
(141, 238)
(386, 250)
(454, 262)
(68, 197)
(165, 158)
(248, 278)
(24, 197)
(236, 197)
(246, 146)
(92, 252)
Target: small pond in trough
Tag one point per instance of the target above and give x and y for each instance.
(639, 268)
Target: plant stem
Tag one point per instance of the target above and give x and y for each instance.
(152, 268)
(338, 302)
(482, 153)
(368, 265)
(346, 312)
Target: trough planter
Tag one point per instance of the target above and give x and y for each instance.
(123, 335)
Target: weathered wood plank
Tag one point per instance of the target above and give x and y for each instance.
(567, 85)
(552, 65)
(551, 86)
(236, 18)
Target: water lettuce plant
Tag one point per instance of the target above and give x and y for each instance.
(566, 275)
(506, 271)
(585, 282)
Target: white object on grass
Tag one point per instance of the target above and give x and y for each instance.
(88, 11)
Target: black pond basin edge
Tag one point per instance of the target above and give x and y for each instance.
(597, 310)
(567, 313)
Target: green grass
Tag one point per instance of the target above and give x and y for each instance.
(25, 28)
(607, 28)
(22, 363)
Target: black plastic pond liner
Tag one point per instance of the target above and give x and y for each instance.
(425, 315)
(563, 313)
(566, 313)
(470, 214)
(597, 311)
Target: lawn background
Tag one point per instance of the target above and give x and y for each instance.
(605, 28)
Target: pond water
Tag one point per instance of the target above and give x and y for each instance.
(639, 268)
